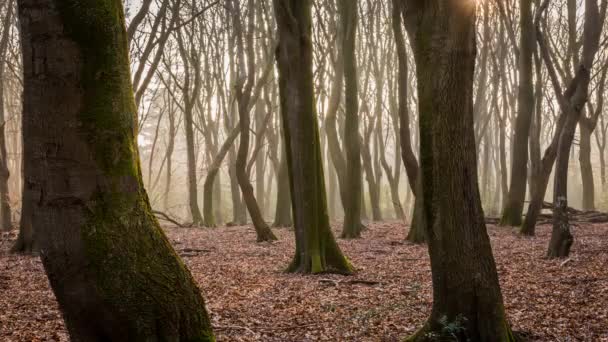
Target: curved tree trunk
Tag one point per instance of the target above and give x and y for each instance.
(316, 248)
(214, 168)
(113, 271)
(416, 233)
(466, 290)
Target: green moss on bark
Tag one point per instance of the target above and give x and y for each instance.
(133, 267)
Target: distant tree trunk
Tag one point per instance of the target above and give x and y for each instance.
(28, 242)
(113, 271)
(260, 123)
(5, 205)
(243, 96)
(561, 238)
(212, 172)
(189, 103)
(373, 187)
(169, 154)
(352, 203)
(512, 212)
(316, 248)
(466, 290)
(586, 167)
(282, 216)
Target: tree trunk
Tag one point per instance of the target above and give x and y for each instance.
(417, 229)
(512, 212)
(316, 248)
(466, 291)
(352, 227)
(113, 271)
(5, 205)
(586, 166)
(374, 195)
(282, 216)
(262, 230)
(214, 168)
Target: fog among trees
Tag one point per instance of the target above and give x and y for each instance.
(138, 132)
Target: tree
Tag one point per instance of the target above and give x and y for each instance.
(417, 229)
(561, 238)
(316, 248)
(512, 211)
(190, 90)
(5, 206)
(571, 100)
(466, 290)
(244, 93)
(352, 205)
(113, 271)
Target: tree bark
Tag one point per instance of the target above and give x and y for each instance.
(113, 271)
(316, 248)
(466, 290)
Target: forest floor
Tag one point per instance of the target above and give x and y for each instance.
(251, 299)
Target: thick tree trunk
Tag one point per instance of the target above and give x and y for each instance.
(316, 248)
(352, 227)
(466, 290)
(113, 271)
(512, 212)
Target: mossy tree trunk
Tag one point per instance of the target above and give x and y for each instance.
(316, 247)
(113, 271)
(416, 233)
(512, 211)
(352, 227)
(466, 290)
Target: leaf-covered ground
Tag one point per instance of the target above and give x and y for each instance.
(251, 299)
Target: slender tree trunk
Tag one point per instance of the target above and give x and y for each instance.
(512, 212)
(316, 248)
(113, 271)
(210, 180)
(586, 166)
(354, 186)
(5, 205)
(282, 217)
(169, 154)
(466, 290)
(417, 229)
(374, 195)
